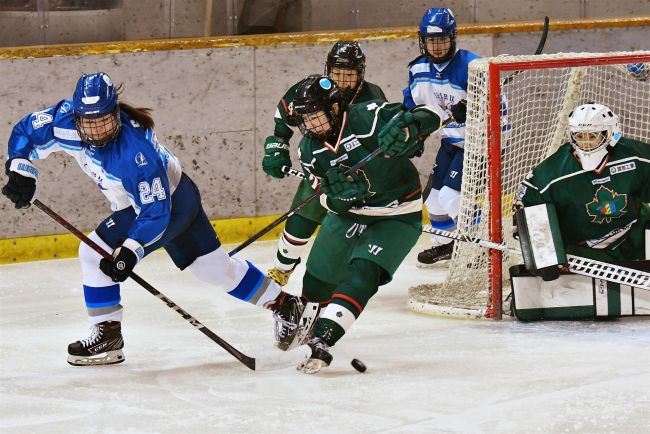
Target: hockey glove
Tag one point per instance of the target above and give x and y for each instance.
(125, 258)
(401, 136)
(276, 155)
(337, 185)
(459, 111)
(21, 186)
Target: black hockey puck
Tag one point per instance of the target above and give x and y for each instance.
(358, 365)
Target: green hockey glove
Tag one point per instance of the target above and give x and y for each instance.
(276, 155)
(401, 136)
(337, 185)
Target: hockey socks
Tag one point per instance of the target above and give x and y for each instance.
(237, 277)
(293, 242)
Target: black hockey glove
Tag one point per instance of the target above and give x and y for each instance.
(401, 136)
(459, 111)
(21, 186)
(276, 155)
(125, 258)
(337, 185)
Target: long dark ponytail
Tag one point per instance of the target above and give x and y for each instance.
(141, 115)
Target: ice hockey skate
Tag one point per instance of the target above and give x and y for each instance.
(320, 357)
(434, 255)
(102, 347)
(294, 320)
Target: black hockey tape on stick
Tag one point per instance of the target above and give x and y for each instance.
(250, 362)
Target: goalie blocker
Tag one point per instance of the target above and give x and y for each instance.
(563, 295)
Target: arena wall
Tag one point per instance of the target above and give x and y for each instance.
(214, 101)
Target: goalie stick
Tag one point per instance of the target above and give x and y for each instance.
(280, 361)
(577, 264)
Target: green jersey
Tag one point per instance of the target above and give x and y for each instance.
(284, 110)
(595, 208)
(394, 183)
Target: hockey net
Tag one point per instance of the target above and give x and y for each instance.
(517, 113)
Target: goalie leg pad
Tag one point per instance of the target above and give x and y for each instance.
(573, 297)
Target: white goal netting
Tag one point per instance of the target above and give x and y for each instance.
(535, 102)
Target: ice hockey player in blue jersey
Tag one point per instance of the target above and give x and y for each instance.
(154, 205)
(438, 78)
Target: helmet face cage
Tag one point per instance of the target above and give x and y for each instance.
(438, 26)
(317, 104)
(99, 131)
(593, 127)
(96, 110)
(346, 65)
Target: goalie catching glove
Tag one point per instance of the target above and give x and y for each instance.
(276, 155)
(21, 186)
(336, 184)
(404, 134)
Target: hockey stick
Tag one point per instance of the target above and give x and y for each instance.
(538, 51)
(577, 264)
(250, 362)
(293, 172)
(300, 206)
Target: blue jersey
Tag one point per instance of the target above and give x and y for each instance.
(440, 86)
(134, 170)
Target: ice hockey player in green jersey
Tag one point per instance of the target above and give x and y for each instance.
(599, 183)
(374, 215)
(345, 65)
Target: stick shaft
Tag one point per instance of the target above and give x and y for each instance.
(246, 360)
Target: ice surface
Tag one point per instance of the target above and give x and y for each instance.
(425, 374)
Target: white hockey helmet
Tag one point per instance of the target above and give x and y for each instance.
(592, 129)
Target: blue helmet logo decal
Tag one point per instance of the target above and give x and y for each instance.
(325, 83)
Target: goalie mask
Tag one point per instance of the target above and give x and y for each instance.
(346, 65)
(592, 129)
(318, 104)
(437, 35)
(96, 112)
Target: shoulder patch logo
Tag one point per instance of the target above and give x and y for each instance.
(140, 160)
(607, 205)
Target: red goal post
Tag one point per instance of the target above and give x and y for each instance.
(517, 112)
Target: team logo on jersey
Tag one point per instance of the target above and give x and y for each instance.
(140, 160)
(607, 205)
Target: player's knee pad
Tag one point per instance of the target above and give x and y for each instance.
(92, 275)
(449, 200)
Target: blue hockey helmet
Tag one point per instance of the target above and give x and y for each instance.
(96, 110)
(438, 23)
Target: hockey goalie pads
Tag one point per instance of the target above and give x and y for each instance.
(541, 241)
(574, 297)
